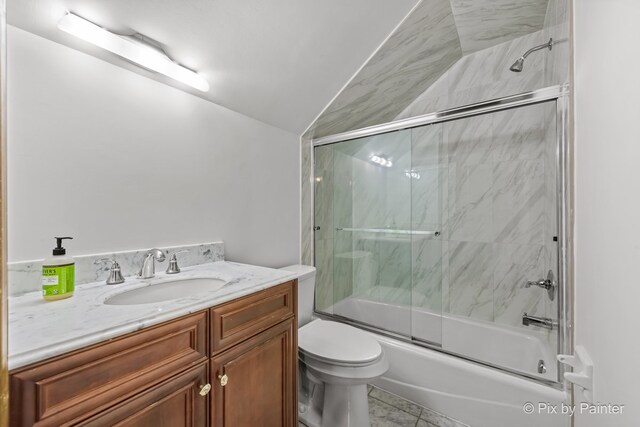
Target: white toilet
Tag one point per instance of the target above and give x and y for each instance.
(337, 361)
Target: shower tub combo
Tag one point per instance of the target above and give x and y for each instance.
(463, 389)
(436, 234)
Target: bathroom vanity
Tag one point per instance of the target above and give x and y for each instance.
(232, 364)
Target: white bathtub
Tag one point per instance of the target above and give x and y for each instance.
(470, 392)
(516, 349)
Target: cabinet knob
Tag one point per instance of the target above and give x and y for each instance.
(223, 379)
(205, 389)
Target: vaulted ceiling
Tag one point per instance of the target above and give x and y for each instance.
(349, 64)
(434, 37)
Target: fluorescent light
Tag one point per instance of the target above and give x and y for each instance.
(146, 57)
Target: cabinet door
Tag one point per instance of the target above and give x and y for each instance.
(174, 403)
(260, 381)
(75, 386)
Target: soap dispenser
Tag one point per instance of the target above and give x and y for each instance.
(58, 273)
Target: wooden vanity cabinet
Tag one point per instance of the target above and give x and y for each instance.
(75, 386)
(161, 375)
(254, 360)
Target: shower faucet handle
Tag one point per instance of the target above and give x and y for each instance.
(549, 284)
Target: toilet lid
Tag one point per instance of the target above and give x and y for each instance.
(338, 342)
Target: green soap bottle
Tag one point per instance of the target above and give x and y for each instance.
(58, 273)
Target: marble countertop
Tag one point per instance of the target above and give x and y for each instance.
(39, 330)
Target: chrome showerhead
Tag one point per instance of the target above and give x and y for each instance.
(519, 64)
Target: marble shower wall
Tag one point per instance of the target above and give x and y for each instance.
(482, 24)
(485, 74)
(556, 25)
(500, 226)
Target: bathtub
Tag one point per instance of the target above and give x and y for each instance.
(475, 394)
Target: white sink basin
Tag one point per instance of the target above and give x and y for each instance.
(165, 291)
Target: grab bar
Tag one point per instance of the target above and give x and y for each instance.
(390, 231)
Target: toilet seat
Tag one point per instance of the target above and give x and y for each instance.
(337, 344)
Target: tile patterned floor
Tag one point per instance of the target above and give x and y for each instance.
(389, 410)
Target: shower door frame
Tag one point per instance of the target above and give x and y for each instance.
(559, 94)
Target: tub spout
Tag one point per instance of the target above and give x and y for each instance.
(542, 322)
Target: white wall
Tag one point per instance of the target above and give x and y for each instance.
(121, 162)
(607, 114)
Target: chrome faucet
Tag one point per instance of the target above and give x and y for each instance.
(549, 284)
(542, 322)
(173, 262)
(115, 275)
(148, 269)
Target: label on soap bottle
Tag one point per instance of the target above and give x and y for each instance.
(58, 279)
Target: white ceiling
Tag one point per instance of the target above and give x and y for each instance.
(279, 61)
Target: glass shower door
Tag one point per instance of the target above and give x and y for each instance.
(498, 232)
(446, 234)
(369, 238)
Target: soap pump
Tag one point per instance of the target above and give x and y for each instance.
(58, 273)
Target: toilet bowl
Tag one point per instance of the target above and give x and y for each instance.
(337, 361)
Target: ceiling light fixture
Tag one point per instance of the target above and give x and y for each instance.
(380, 160)
(140, 54)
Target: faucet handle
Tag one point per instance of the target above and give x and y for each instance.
(173, 267)
(115, 275)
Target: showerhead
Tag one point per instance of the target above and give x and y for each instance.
(519, 64)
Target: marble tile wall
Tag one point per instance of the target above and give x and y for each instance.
(501, 214)
(24, 276)
(556, 26)
(483, 75)
(484, 23)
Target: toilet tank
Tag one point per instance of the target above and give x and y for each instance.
(306, 287)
